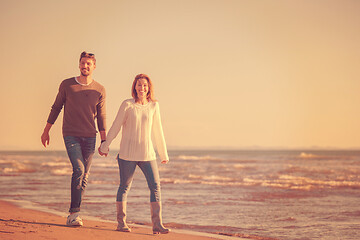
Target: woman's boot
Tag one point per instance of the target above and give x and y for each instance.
(121, 217)
(156, 218)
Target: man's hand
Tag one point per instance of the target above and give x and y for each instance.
(45, 138)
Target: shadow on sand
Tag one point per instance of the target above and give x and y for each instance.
(10, 221)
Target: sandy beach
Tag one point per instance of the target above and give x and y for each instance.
(20, 223)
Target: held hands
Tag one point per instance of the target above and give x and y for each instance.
(101, 153)
(102, 140)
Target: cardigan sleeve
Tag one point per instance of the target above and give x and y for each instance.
(159, 135)
(115, 128)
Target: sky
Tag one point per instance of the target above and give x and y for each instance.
(228, 74)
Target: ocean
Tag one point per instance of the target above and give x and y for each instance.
(263, 195)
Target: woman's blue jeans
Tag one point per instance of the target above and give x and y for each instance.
(80, 151)
(127, 170)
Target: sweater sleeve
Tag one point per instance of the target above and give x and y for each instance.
(159, 135)
(101, 111)
(115, 128)
(58, 104)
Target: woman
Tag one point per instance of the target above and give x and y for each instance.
(139, 119)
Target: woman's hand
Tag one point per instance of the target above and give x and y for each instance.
(101, 153)
(164, 161)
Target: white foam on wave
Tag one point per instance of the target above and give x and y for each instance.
(301, 183)
(307, 155)
(8, 170)
(6, 161)
(177, 181)
(239, 166)
(62, 171)
(191, 157)
(204, 180)
(103, 182)
(17, 167)
(211, 177)
(106, 164)
(55, 164)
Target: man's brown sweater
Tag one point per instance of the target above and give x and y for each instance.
(82, 104)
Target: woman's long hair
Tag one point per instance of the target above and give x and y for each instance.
(150, 94)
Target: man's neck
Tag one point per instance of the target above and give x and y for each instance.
(86, 80)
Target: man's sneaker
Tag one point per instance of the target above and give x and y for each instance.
(74, 220)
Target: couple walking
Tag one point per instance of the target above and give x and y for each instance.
(139, 118)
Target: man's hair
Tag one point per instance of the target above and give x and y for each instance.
(88, 55)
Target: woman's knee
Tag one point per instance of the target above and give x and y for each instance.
(124, 189)
(122, 193)
(155, 192)
(155, 187)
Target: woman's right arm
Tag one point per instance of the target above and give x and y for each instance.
(159, 136)
(115, 128)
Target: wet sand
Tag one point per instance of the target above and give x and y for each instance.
(19, 223)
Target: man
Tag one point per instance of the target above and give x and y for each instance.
(84, 100)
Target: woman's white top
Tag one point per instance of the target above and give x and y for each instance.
(139, 124)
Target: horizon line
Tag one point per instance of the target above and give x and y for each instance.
(217, 148)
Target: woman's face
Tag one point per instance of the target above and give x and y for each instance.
(142, 88)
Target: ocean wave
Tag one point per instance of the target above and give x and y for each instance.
(55, 164)
(239, 166)
(325, 155)
(177, 181)
(17, 167)
(307, 155)
(302, 183)
(178, 202)
(221, 232)
(191, 157)
(203, 182)
(291, 169)
(62, 171)
(211, 177)
(112, 164)
(17, 170)
(103, 182)
(283, 182)
(5, 161)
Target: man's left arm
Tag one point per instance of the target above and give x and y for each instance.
(101, 115)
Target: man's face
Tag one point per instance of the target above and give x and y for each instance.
(86, 66)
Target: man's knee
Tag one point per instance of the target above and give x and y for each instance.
(78, 172)
(85, 180)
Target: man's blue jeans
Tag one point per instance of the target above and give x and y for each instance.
(80, 151)
(127, 170)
